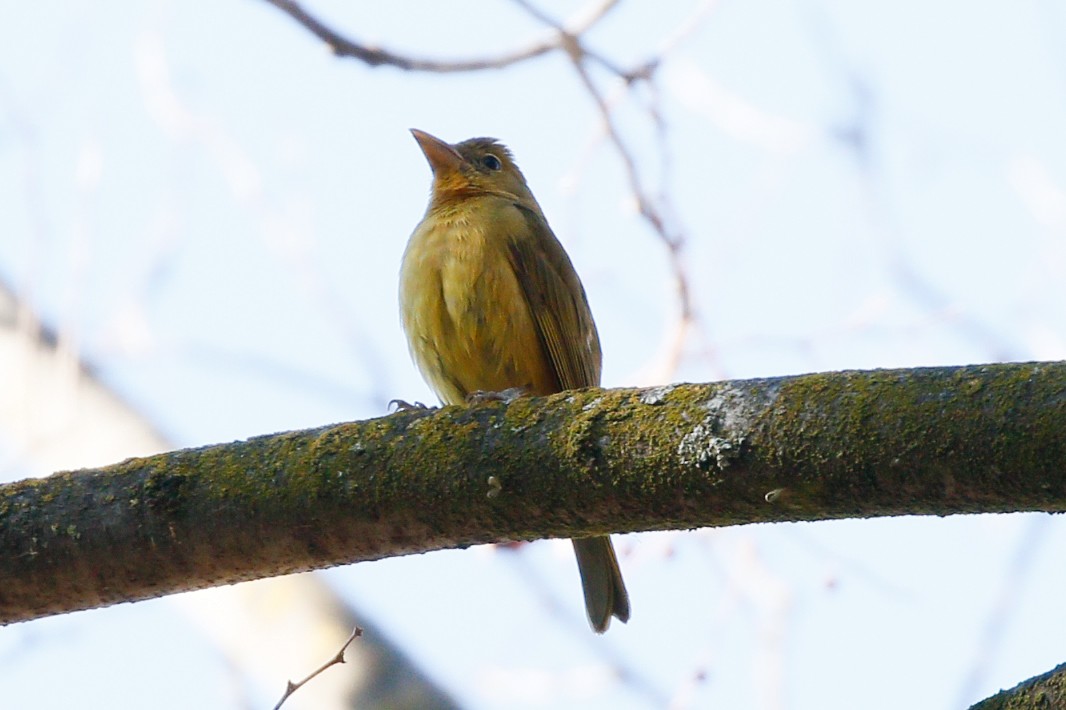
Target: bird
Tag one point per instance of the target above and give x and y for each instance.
(490, 303)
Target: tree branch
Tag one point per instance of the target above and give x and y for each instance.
(374, 56)
(931, 441)
(1047, 690)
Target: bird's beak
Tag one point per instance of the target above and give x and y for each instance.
(442, 157)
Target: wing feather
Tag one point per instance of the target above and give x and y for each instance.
(557, 302)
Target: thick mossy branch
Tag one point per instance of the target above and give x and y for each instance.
(849, 444)
(1044, 692)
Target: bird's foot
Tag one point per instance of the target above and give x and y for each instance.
(402, 405)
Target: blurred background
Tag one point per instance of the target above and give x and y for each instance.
(202, 213)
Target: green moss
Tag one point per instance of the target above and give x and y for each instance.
(163, 488)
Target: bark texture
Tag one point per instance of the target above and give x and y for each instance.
(1044, 692)
(937, 441)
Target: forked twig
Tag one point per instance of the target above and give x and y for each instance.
(291, 687)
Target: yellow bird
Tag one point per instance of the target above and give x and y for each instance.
(490, 302)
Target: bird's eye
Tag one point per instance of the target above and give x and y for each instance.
(491, 162)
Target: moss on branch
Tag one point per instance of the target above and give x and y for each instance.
(938, 441)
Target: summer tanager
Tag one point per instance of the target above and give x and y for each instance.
(490, 302)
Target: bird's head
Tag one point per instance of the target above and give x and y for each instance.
(474, 167)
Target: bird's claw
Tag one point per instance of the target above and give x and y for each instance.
(402, 405)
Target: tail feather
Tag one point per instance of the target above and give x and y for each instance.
(601, 580)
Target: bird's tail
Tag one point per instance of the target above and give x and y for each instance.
(601, 580)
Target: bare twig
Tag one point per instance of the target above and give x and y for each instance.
(374, 56)
(672, 239)
(654, 209)
(291, 687)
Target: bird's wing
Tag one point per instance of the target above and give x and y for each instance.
(557, 302)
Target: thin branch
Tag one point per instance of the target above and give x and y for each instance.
(650, 209)
(374, 56)
(673, 241)
(291, 687)
(853, 444)
(568, 34)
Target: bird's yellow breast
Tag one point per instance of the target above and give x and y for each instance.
(467, 321)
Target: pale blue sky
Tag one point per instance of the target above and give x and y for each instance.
(216, 208)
